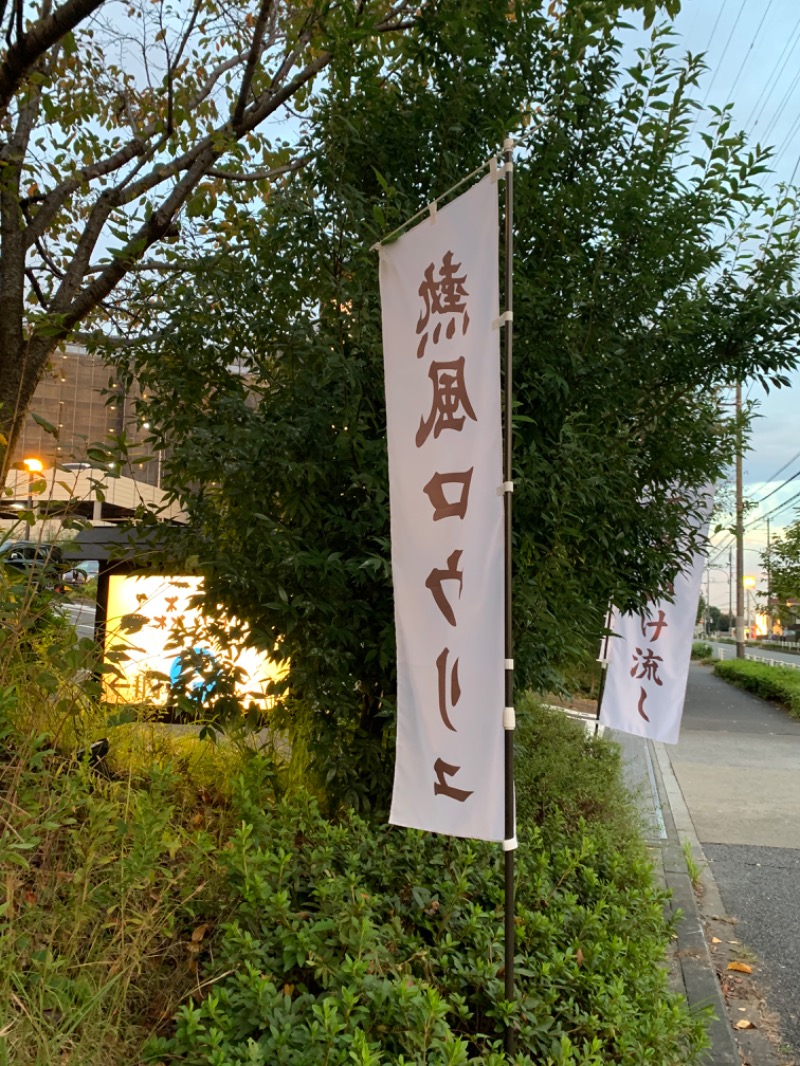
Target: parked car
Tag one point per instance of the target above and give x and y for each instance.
(44, 561)
(81, 573)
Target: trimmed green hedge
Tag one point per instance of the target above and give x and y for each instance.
(780, 683)
(352, 942)
(701, 650)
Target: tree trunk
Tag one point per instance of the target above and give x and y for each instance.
(21, 367)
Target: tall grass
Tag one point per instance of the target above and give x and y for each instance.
(104, 878)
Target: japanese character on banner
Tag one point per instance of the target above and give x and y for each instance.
(443, 301)
(450, 406)
(444, 507)
(646, 662)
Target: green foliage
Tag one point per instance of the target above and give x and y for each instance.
(783, 561)
(102, 884)
(358, 942)
(701, 650)
(781, 683)
(638, 294)
(694, 870)
(125, 890)
(123, 125)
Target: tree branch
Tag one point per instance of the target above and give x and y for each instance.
(256, 49)
(54, 200)
(41, 36)
(262, 175)
(34, 283)
(265, 105)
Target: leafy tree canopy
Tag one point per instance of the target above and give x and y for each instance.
(130, 131)
(117, 119)
(647, 279)
(783, 563)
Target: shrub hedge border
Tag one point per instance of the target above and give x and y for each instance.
(781, 684)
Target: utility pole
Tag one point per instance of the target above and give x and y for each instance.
(739, 530)
(769, 586)
(708, 600)
(730, 590)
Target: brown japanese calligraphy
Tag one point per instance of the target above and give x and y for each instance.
(656, 626)
(444, 769)
(442, 298)
(455, 687)
(450, 406)
(647, 662)
(434, 583)
(442, 506)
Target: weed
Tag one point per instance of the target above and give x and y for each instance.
(695, 871)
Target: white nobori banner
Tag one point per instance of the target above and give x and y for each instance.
(439, 296)
(649, 656)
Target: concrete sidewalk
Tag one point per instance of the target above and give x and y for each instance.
(666, 824)
(730, 792)
(737, 766)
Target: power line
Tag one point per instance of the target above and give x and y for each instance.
(749, 50)
(786, 482)
(774, 78)
(777, 510)
(714, 29)
(781, 469)
(782, 106)
(756, 521)
(725, 49)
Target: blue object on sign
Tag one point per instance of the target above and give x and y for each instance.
(184, 672)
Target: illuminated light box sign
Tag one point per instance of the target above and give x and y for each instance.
(154, 646)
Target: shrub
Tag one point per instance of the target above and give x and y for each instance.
(781, 683)
(101, 886)
(701, 650)
(374, 944)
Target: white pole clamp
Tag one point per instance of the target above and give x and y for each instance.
(511, 845)
(507, 486)
(509, 719)
(509, 664)
(507, 316)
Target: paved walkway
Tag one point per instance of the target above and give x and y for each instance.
(738, 767)
(650, 780)
(730, 789)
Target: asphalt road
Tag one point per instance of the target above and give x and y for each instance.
(760, 886)
(738, 765)
(728, 651)
(82, 617)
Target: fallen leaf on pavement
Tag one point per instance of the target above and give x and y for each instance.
(715, 940)
(740, 967)
(743, 1023)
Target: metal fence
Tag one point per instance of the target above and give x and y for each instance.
(721, 652)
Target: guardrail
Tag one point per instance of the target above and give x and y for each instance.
(773, 662)
(721, 653)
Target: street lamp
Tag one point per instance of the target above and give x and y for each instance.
(34, 466)
(749, 583)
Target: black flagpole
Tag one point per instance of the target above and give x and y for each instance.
(603, 660)
(510, 841)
